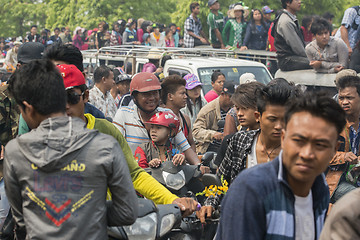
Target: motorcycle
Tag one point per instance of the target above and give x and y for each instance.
(153, 222)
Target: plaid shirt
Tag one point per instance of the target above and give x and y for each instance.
(234, 161)
(350, 17)
(236, 154)
(194, 26)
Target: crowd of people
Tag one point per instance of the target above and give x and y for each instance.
(75, 154)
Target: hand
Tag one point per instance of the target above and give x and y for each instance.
(350, 50)
(338, 68)
(203, 40)
(243, 48)
(218, 136)
(186, 205)
(351, 158)
(178, 159)
(204, 169)
(223, 46)
(205, 212)
(155, 163)
(315, 64)
(159, 70)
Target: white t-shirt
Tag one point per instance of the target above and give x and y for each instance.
(252, 159)
(304, 218)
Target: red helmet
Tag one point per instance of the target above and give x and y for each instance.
(166, 119)
(144, 82)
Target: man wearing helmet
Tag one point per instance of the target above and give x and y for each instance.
(144, 88)
(164, 125)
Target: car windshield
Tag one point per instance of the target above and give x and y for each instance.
(233, 74)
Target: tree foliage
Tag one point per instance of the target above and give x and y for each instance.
(18, 15)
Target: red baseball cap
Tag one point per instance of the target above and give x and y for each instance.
(72, 76)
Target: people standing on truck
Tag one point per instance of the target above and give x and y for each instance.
(173, 96)
(169, 38)
(217, 82)
(326, 54)
(33, 36)
(289, 41)
(234, 31)
(176, 36)
(56, 38)
(256, 32)
(305, 28)
(78, 38)
(215, 20)
(208, 132)
(156, 38)
(193, 33)
(66, 36)
(129, 36)
(267, 11)
(195, 101)
(115, 39)
(350, 27)
(164, 125)
(101, 37)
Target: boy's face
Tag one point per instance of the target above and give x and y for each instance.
(349, 100)
(123, 87)
(33, 30)
(247, 117)
(322, 38)
(272, 122)
(74, 109)
(179, 97)
(309, 143)
(159, 134)
(215, 6)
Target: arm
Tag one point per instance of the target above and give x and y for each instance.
(218, 35)
(247, 35)
(345, 37)
(230, 125)
(97, 41)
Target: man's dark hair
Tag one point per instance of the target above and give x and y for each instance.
(35, 26)
(215, 76)
(277, 92)
(100, 72)
(245, 94)
(328, 16)
(56, 29)
(319, 105)
(306, 21)
(170, 85)
(41, 85)
(65, 52)
(193, 6)
(349, 81)
(284, 2)
(319, 25)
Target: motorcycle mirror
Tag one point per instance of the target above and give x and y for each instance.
(209, 179)
(207, 157)
(221, 124)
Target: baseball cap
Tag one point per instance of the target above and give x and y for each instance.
(30, 51)
(71, 75)
(229, 87)
(192, 81)
(123, 77)
(211, 2)
(267, 9)
(247, 77)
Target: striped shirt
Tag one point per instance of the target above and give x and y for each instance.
(127, 120)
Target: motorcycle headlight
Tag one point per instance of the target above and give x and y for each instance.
(174, 181)
(167, 223)
(143, 229)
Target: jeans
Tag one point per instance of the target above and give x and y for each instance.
(292, 63)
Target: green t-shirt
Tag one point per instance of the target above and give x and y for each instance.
(215, 22)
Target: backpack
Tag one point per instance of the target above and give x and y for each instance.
(354, 25)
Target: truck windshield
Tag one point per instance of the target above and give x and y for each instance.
(233, 74)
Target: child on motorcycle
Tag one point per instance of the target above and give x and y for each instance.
(164, 125)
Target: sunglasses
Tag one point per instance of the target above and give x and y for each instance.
(73, 97)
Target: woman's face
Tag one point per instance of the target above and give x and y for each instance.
(257, 15)
(238, 13)
(156, 31)
(194, 93)
(117, 28)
